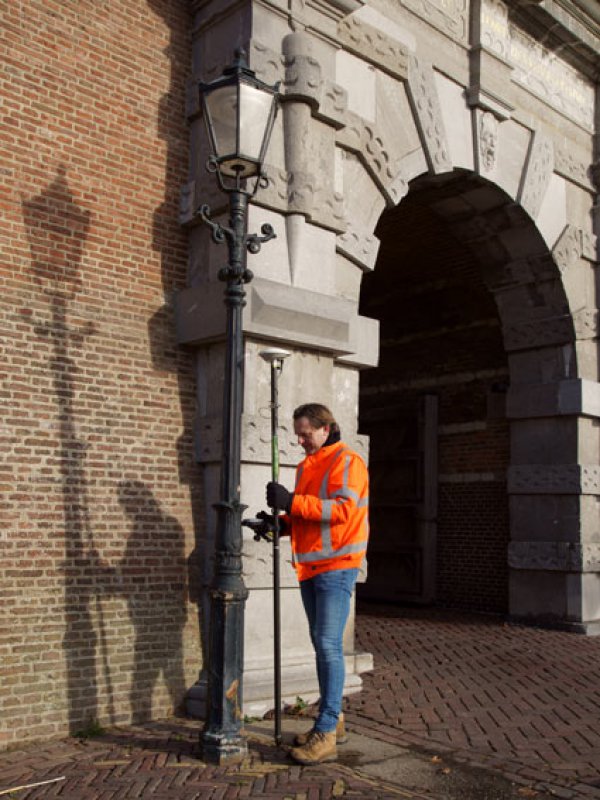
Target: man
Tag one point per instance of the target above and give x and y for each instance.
(327, 519)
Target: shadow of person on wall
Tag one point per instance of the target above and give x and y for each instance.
(151, 575)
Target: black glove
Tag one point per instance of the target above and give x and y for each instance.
(279, 497)
(263, 525)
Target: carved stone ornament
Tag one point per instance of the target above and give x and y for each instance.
(267, 63)
(487, 130)
(539, 333)
(302, 78)
(585, 323)
(365, 140)
(559, 556)
(554, 479)
(450, 16)
(425, 103)
(318, 202)
(371, 44)
(567, 250)
(360, 247)
(494, 27)
(548, 76)
(572, 165)
(538, 173)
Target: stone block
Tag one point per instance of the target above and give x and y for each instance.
(513, 143)
(590, 600)
(358, 79)
(364, 338)
(457, 122)
(552, 217)
(545, 517)
(550, 441)
(274, 311)
(539, 595)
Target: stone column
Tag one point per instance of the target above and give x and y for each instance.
(294, 300)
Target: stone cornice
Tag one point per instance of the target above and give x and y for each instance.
(571, 27)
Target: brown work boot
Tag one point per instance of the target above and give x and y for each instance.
(340, 733)
(319, 748)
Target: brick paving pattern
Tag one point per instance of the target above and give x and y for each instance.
(520, 700)
(517, 701)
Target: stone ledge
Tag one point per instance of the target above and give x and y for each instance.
(564, 398)
(279, 313)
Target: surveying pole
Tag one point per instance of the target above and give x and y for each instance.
(275, 356)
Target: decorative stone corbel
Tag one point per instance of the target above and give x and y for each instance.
(486, 141)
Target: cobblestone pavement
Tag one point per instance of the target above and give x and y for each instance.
(516, 699)
(467, 695)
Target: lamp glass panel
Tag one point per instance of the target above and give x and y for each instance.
(222, 107)
(255, 109)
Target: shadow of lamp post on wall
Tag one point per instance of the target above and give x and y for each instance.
(239, 112)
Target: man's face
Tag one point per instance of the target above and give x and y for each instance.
(311, 439)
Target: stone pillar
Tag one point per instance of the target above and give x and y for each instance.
(298, 298)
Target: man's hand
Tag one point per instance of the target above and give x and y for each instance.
(279, 497)
(263, 526)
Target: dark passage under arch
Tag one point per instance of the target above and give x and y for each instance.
(434, 409)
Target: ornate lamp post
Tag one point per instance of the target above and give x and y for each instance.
(239, 111)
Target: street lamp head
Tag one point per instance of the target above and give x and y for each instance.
(239, 112)
(274, 355)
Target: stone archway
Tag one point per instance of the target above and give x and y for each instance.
(455, 306)
(371, 107)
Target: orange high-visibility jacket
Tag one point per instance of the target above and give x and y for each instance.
(329, 513)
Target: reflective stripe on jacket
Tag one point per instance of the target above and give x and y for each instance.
(329, 514)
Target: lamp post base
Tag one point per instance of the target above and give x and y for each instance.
(223, 748)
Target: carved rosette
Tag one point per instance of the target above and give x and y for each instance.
(425, 102)
(373, 45)
(538, 173)
(555, 556)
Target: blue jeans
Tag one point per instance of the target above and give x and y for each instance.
(326, 599)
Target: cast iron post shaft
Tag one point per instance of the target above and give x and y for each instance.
(222, 739)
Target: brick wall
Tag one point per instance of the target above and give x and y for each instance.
(99, 492)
